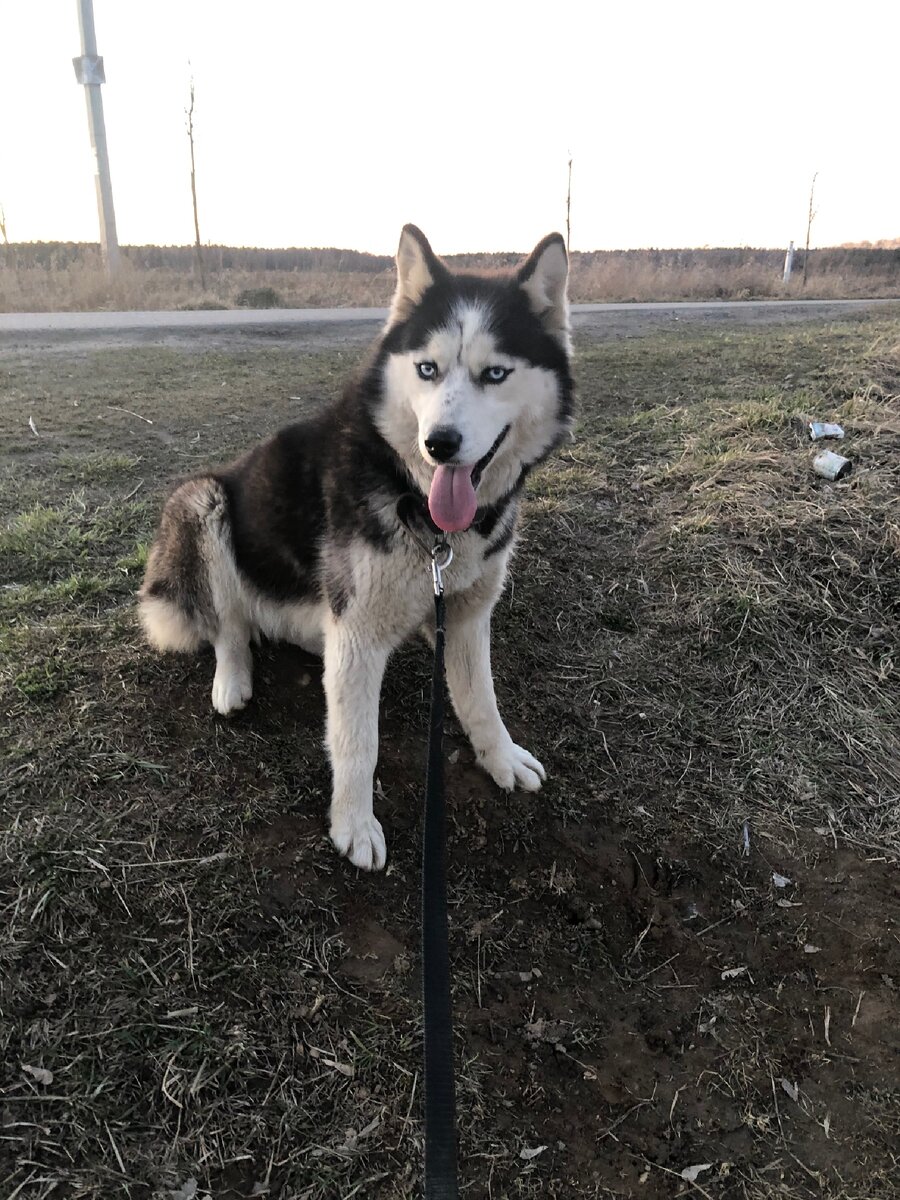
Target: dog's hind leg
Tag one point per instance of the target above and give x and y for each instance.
(192, 592)
(233, 683)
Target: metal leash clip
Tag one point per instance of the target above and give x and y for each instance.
(441, 558)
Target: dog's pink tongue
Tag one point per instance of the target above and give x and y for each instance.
(451, 501)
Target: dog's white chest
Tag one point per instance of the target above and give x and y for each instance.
(394, 593)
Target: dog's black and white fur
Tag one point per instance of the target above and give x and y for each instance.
(309, 537)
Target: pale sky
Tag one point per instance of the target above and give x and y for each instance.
(331, 124)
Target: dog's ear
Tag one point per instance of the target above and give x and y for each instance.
(543, 277)
(418, 267)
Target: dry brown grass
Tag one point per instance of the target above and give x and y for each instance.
(620, 279)
(77, 282)
(84, 287)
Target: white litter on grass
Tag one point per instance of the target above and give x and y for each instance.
(187, 1191)
(791, 1088)
(527, 1154)
(780, 881)
(691, 1173)
(40, 1074)
(733, 972)
(788, 904)
(33, 427)
(825, 429)
(809, 948)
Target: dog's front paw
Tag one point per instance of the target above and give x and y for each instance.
(361, 839)
(231, 689)
(510, 766)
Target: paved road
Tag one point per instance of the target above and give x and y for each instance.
(587, 314)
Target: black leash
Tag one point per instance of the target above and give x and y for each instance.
(440, 1088)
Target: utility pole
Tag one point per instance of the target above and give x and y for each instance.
(89, 72)
(788, 265)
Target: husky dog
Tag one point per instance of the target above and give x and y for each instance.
(319, 536)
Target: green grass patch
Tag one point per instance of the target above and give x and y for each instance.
(97, 468)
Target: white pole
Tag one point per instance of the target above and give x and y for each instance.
(788, 264)
(89, 71)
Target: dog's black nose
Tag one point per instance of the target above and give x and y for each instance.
(442, 443)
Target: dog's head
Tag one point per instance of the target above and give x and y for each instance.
(475, 379)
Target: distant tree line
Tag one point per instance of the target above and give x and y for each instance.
(831, 260)
(60, 255)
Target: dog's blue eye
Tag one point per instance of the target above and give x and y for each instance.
(427, 370)
(495, 374)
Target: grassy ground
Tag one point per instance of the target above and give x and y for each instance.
(683, 953)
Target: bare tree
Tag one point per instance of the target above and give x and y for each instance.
(569, 206)
(812, 215)
(190, 129)
(3, 226)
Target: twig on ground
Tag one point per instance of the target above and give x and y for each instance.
(116, 408)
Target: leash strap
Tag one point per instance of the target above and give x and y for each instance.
(440, 1088)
